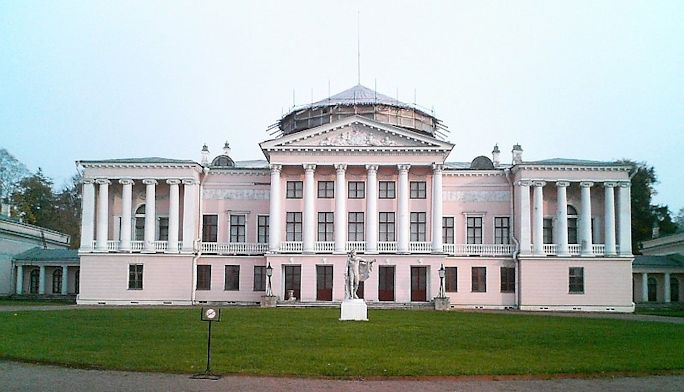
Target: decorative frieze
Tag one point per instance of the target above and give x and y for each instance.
(477, 196)
(236, 194)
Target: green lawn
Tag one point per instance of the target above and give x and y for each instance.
(312, 342)
(669, 312)
(34, 302)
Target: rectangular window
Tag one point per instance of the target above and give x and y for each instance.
(355, 226)
(262, 229)
(479, 284)
(387, 190)
(417, 189)
(203, 277)
(356, 189)
(572, 230)
(502, 230)
(548, 231)
(325, 226)
(139, 228)
(451, 280)
(293, 226)
(237, 228)
(209, 228)
(163, 229)
(474, 230)
(386, 227)
(448, 230)
(135, 276)
(259, 278)
(576, 279)
(507, 279)
(418, 226)
(294, 190)
(326, 189)
(232, 278)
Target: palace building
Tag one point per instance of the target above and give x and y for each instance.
(358, 171)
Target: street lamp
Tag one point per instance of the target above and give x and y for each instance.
(442, 274)
(269, 273)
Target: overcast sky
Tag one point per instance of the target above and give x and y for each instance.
(600, 80)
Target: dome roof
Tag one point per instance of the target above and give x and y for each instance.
(222, 161)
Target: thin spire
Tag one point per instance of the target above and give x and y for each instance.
(358, 45)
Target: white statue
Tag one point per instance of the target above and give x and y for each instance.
(358, 270)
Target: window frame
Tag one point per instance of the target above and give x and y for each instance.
(226, 268)
(547, 229)
(238, 231)
(356, 190)
(205, 280)
(161, 227)
(294, 189)
(448, 231)
(263, 238)
(259, 278)
(478, 278)
(57, 275)
(387, 223)
(576, 280)
(136, 272)
(328, 226)
(418, 226)
(389, 192)
(475, 218)
(326, 189)
(417, 190)
(359, 226)
(205, 225)
(507, 277)
(500, 230)
(449, 285)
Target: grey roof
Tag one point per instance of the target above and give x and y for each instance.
(143, 160)
(574, 162)
(466, 166)
(40, 254)
(672, 260)
(253, 164)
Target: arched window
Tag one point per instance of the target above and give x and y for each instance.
(572, 225)
(674, 289)
(140, 223)
(34, 281)
(57, 281)
(652, 290)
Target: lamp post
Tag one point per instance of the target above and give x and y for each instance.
(442, 274)
(269, 273)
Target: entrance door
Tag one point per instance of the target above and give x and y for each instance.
(293, 280)
(386, 283)
(324, 282)
(419, 284)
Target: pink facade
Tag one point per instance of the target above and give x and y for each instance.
(355, 182)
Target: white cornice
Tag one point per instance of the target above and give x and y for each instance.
(140, 165)
(474, 173)
(570, 168)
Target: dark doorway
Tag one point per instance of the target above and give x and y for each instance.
(293, 280)
(652, 290)
(386, 283)
(324, 282)
(359, 292)
(419, 284)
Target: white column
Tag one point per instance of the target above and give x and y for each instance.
(87, 215)
(309, 216)
(126, 201)
(340, 209)
(372, 209)
(65, 280)
(19, 288)
(102, 215)
(403, 218)
(609, 217)
(437, 208)
(150, 215)
(644, 287)
(274, 210)
(189, 214)
(666, 288)
(625, 219)
(538, 232)
(586, 248)
(562, 218)
(41, 280)
(525, 242)
(174, 208)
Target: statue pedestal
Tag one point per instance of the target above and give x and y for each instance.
(442, 303)
(268, 301)
(354, 309)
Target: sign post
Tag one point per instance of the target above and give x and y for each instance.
(210, 315)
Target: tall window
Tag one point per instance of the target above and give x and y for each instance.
(474, 230)
(163, 229)
(451, 279)
(325, 226)
(576, 275)
(356, 189)
(34, 281)
(326, 189)
(293, 226)
(232, 278)
(294, 190)
(448, 230)
(140, 223)
(355, 226)
(572, 225)
(135, 276)
(386, 227)
(259, 278)
(502, 230)
(237, 228)
(387, 190)
(417, 189)
(209, 228)
(418, 226)
(479, 281)
(203, 277)
(57, 281)
(262, 229)
(548, 231)
(507, 279)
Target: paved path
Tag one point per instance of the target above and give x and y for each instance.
(28, 377)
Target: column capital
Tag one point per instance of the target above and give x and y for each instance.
(149, 181)
(610, 184)
(437, 167)
(309, 167)
(372, 168)
(173, 181)
(126, 181)
(275, 168)
(586, 184)
(341, 167)
(189, 181)
(538, 183)
(562, 184)
(524, 183)
(102, 181)
(87, 180)
(403, 167)
(625, 184)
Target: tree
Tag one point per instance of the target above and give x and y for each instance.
(11, 172)
(34, 201)
(68, 210)
(679, 220)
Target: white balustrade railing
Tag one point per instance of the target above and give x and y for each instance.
(449, 249)
(387, 246)
(232, 248)
(420, 247)
(161, 246)
(324, 246)
(598, 249)
(137, 246)
(112, 245)
(359, 246)
(483, 249)
(291, 246)
(574, 249)
(550, 249)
